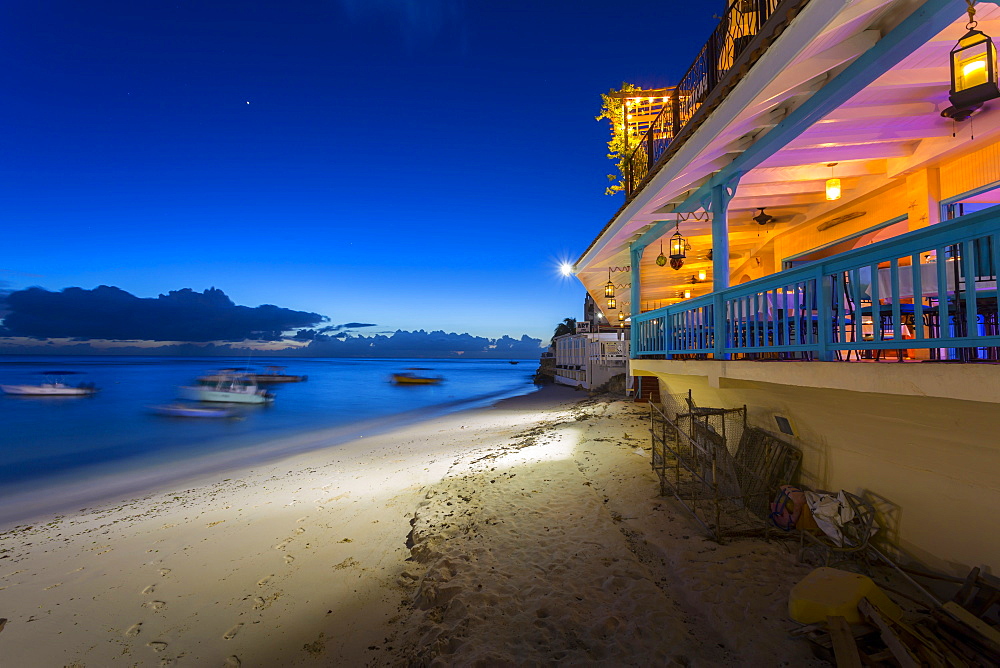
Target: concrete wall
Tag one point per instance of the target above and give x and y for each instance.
(924, 437)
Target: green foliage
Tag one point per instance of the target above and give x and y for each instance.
(567, 326)
(612, 109)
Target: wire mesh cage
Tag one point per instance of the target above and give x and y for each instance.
(722, 470)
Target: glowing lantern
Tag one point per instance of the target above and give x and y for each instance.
(609, 287)
(687, 294)
(832, 185)
(973, 72)
(702, 274)
(678, 245)
(612, 304)
(621, 316)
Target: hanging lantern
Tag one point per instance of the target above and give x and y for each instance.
(609, 287)
(678, 249)
(687, 294)
(832, 185)
(612, 304)
(702, 274)
(973, 72)
(621, 316)
(661, 259)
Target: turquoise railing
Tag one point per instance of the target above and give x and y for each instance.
(933, 289)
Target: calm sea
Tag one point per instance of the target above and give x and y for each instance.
(67, 449)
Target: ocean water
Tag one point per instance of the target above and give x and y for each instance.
(112, 441)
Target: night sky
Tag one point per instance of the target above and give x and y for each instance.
(419, 165)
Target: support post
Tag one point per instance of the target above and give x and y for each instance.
(721, 195)
(635, 255)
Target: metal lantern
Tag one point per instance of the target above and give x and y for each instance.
(612, 304)
(661, 259)
(621, 316)
(973, 72)
(678, 249)
(609, 287)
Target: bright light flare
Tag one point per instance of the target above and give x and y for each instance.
(566, 269)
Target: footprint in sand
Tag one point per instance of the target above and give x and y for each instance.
(231, 633)
(289, 558)
(133, 630)
(148, 590)
(283, 544)
(158, 646)
(232, 662)
(164, 571)
(302, 519)
(259, 603)
(300, 530)
(154, 605)
(53, 586)
(264, 580)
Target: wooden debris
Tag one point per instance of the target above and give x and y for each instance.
(844, 648)
(899, 650)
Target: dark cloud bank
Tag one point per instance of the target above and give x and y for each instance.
(211, 324)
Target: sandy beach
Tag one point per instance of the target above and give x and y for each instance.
(527, 533)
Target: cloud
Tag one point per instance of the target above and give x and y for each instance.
(113, 314)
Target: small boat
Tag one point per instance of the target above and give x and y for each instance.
(413, 379)
(276, 374)
(232, 388)
(271, 374)
(55, 387)
(181, 409)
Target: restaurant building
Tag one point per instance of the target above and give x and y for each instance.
(811, 229)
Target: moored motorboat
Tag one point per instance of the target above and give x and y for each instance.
(182, 409)
(54, 387)
(232, 388)
(407, 378)
(271, 374)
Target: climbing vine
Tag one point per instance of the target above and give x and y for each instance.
(611, 109)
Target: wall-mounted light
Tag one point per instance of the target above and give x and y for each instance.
(832, 185)
(973, 71)
(678, 247)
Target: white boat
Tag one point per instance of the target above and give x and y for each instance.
(55, 387)
(181, 409)
(233, 389)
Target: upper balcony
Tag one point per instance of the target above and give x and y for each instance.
(744, 31)
(845, 91)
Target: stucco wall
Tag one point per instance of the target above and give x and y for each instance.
(935, 460)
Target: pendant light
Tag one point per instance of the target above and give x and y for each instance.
(677, 248)
(661, 259)
(609, 292)
(973, 71)
(833, 191)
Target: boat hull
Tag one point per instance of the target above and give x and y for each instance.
(236, 396)
(405, 379)
(47, 390)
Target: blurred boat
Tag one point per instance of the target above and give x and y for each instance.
(271, 374)
(193, 410)
(229, 388)
(413, 379)
(52, 388)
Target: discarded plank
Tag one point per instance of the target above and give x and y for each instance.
(899, 650)
(845, 650)
(988, 633)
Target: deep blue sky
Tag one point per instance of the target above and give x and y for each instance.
(420, 164)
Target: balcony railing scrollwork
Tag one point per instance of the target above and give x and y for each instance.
(743, 21)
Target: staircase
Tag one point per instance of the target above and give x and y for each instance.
(647, 389)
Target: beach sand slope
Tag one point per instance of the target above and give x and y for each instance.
(527, 533)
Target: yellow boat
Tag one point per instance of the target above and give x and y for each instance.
(411, 379)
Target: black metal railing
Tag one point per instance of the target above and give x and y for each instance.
(743, 21)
